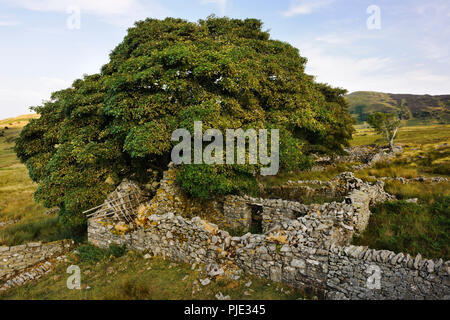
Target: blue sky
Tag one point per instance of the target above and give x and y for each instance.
(408, 53)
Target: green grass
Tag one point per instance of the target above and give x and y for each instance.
(410, 228)
(425, 192)
(426, 152)
(418, 135)
(133, 277)
(407, 227)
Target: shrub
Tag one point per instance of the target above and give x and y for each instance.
(117, 251)
(90, 253)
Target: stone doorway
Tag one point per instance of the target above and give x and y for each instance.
(256, 219)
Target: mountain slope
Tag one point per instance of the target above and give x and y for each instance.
(409, 106)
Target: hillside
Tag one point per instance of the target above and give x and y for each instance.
(411, 107)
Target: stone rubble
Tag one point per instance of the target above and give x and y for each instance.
(4, 224)
(33, 274)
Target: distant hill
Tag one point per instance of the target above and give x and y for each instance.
(19, 121)
(411, 107)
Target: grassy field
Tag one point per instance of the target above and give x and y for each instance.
(16, 188)
(412, 228)
(410, 135)
(16, 194)
(133, 277)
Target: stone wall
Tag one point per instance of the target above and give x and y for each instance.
(400, 276)
(293, 256)
(366, 155)
(353, 213)
(17, 258)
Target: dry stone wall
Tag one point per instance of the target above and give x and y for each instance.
(367, 155)
(17, 258)
(400, 276)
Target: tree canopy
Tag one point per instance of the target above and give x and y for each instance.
(165, 75)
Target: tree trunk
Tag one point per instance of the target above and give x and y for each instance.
(391, 140)
(391, 144)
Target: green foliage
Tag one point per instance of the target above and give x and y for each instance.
(117, 251)
(165, 75)
(204, 181)
(90, 253)
(411, 228)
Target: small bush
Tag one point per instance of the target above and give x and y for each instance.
(205, 181)
(90, 253)
(117, 251)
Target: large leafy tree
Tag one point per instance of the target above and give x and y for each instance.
(166, 74)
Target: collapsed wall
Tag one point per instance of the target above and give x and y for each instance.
(306, 246)
(17, 258)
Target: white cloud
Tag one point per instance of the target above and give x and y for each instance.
(8, 23)
(383, 74)
(306, 7)
(222, 4)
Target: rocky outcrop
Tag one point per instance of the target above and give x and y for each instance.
(366, 156)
